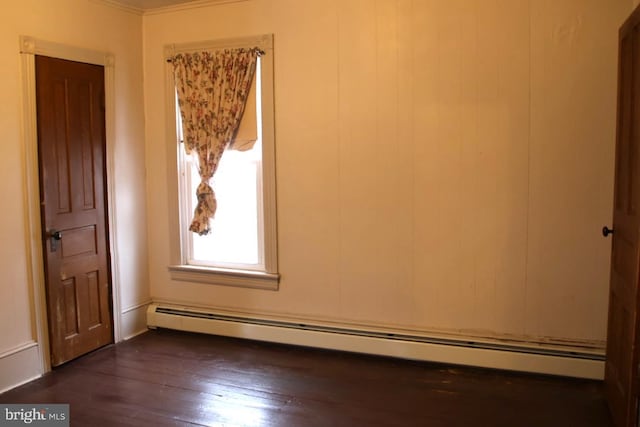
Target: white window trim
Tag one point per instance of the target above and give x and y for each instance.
(179, 269)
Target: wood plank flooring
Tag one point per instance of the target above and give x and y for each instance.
(168, 378)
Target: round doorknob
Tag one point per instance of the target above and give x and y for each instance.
(606, 231)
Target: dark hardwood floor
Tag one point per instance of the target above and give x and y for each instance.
(167, 378)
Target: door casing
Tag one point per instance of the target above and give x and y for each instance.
(29, 47)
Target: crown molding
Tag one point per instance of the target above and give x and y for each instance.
(118, 4)
(191, 5)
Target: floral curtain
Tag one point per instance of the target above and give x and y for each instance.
(212, 93)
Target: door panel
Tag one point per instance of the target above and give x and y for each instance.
(621, 373)
(71, 143)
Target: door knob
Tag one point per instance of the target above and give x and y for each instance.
(606, 231)
(55, 237)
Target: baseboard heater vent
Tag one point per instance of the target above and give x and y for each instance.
(415, 347)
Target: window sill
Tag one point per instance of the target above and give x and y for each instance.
(225, 277)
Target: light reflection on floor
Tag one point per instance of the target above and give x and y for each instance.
(234, 410)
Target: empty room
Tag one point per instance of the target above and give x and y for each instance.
(320, 212)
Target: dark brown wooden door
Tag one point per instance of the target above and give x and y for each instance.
(71, 143)
(621, 369)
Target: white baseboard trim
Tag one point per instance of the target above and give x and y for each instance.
(508, 359)
(133, 320)
(19, 366)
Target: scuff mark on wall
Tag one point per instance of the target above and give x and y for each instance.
(568, 32)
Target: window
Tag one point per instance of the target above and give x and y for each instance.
(241, 248)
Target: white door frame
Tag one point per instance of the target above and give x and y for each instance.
(29, 47)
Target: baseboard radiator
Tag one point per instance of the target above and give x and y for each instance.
(496, 355)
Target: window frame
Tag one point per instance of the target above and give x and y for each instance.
(179, 269)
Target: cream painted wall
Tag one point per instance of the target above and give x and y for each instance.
(442, 165)
(89, 25)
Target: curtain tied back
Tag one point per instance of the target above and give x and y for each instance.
(212, 91)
